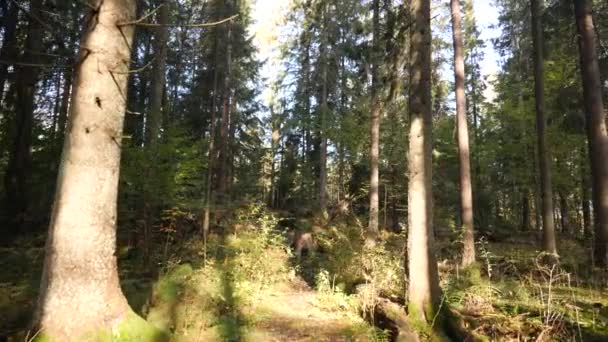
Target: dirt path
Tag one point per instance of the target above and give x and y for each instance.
(297, 313)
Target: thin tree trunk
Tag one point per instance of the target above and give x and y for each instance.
(323, 146)
(544, 165)
(563, 213)
(65, 101)
(9, 42)
(525, 211)
(595, 125)
(585, 196)
(424, 294)
(372, 228)
(212, 150)
(16, 178)
(225, 124)
(80, 293)
(466, 190)
(153, 123)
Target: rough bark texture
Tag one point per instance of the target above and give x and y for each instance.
(423, 293)
(16, 178)
(374, 202)
(466, 190)
(595, 125)
(544, 165)
(80, 292)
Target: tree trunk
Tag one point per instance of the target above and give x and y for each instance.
(544, 164)
(225, 123)
(563, 213)
(586, 228)
(9, 41)
(65, 101)
(423, 293)
(595, 125)
(372, 228)
(154, 120)
(16, 178)
(466, 190)
(153, 123)
(525, 211)
(211, 154)
(80, 295)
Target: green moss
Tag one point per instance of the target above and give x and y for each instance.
(132, 329)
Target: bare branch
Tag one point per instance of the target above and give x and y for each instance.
(142, 24)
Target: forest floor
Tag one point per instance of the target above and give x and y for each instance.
(246, 285)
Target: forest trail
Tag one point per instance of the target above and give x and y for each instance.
(249, 288)
(295, 314)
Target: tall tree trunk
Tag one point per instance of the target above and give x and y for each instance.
(154, 120)
(212, 150)
(9, 42)
(374, 153)
(423, 293)
(225, 123)
(466, 190)
(595, 125)
(544, 165)
(322, 183)
(16, 178)
(80, 295)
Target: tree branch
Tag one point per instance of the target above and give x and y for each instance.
(139, 22)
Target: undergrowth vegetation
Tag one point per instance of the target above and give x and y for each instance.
(246, 283)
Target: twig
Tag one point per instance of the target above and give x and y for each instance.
(142, 24)
(34, 65)
(140, 20)
(134, 113)
(135, 71)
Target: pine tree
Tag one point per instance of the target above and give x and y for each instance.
(80, 295)
(466, 192)
(423, 292)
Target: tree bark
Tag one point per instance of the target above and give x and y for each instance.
(9, 42)
(563, 213)
(544, 165)
(65, 101)
(225, 122)
(211, 154)
(374, 202)
(466, 189)
(154, 121)
(80, 294)
(525, 211)
(586, 228)
(423, 293)
(16, 178)
(595, 125)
